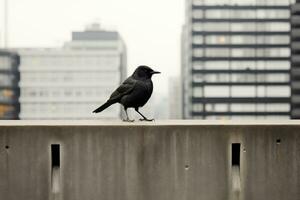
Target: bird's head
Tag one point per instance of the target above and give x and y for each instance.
(144, 72)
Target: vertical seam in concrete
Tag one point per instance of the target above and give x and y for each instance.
(175, 161)
(7, 163)
(186, 162)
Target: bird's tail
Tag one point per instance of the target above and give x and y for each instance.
(104, 106)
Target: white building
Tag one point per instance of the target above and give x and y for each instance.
(156, 108)
(175, 98)
(69, 83)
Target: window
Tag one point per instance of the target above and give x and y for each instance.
(217, 77)
(243, 77)
(273, 77)
(273, 91)
(278, 91)
(275, 65)
(198, 77)
(197, 14)
(217, 14)
(243, 91)
(216, 91)
(216, 26)
(197, 107)
(216, 52)
(273, 26)
(213, 65)
(272, 52)
(5, 62)
(247, 39)
(243, 52)
(198, 92)
(198, 52)
(238, 39)
(278, 107)
(243, 27)
(242, 107)
(242, 65)
(198, 65)
(197, 40)
(217, 39)
(216, 107)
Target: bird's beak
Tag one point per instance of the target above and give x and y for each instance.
(155, 72)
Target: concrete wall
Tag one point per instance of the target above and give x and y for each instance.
(177, 160)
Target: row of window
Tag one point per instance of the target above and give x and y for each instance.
(235, 107)
(242, 65)
(69, 61)
(61, 108)
(245, 117)
(241, 39)
(223, 77)
(65, 77)
(242, 27)
(241, 91)
(241, 14)
(241, 52)
(242, 2)
(65, 92)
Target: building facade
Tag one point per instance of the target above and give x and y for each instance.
(295, 61)
(174, 98)
(69, 83)
(236, 59)
(9, 85)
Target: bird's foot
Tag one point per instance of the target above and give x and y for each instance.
(147, 120)
(128, 120)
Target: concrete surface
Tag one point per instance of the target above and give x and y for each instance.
(165, 160)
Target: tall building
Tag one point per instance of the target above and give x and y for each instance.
(70, 82)
(175, 98)
(9, 85)
(295, 61)
(236, 59)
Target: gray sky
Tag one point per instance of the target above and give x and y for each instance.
(150, 28)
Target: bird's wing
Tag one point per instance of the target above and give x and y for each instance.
(125, 88)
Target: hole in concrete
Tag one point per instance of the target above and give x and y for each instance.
(6, 147)
(55, 163)
(244, 150)
(186, 167)
(278, 141)
(235, 154)
(55, 155)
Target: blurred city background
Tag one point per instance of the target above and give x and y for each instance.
(220, 59)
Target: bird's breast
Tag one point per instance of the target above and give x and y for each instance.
(146, 87)
(139, 95)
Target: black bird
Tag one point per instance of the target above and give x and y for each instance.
(134, 92)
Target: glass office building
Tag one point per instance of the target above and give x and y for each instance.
(9, 85)
(236, 59)
(295, 64)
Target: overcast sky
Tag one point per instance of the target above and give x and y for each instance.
(151, 28)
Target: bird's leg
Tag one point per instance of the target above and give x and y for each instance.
(127, 118)
(144, 118)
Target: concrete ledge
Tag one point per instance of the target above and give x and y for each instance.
(154, 123)
(162, 160)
